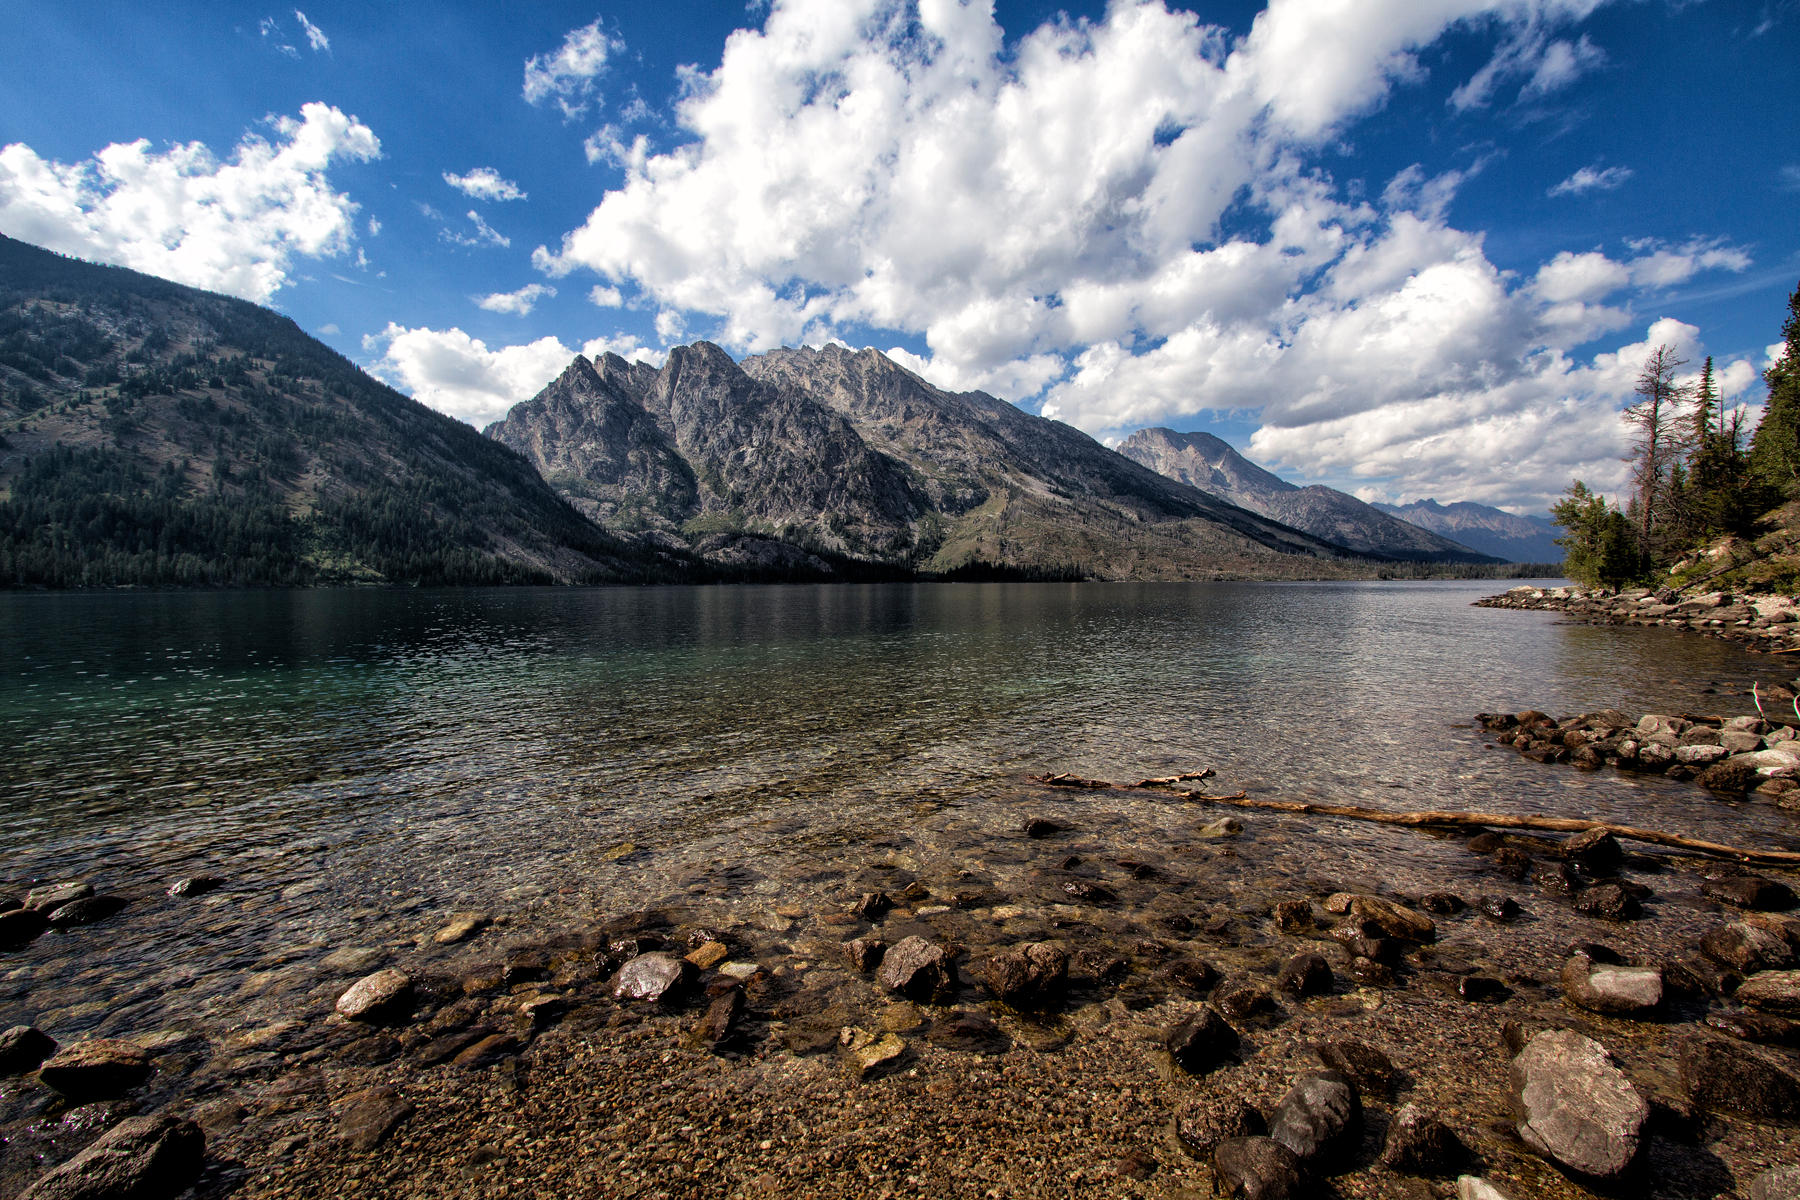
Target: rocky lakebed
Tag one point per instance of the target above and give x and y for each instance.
(1098, 991)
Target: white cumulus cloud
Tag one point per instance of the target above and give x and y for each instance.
(1125, 218)
(461, 376)
(232, 225)
(520, 302)
(485, 183)
(569, 75)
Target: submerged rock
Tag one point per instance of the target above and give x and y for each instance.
(97, 1069)
(1749, 891)
(864, 953)
(23, 1048)
(383, 997)
(1574, 1106)
(1772, 991)
(54, 896)
(1200, 1127)
(1776, 1183)
(1366, 1066)
(195, 885)
(1036, 971)
(1259, 1168)
(1318, 1117)
(137, 1159)
(1745, 947)
(366, 1118)
(1201, 1041)
(1616, 991)
(917, 968)
(1730, 1076)
(1305, 975)
(20, 926)
(653, 977)
(1393, 920)
(1420, 1144)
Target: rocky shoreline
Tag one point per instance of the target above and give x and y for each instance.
(1125, 1030)
(1766, 623)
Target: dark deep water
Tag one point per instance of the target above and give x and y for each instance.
(361, 764)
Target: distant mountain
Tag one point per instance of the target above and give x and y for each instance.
(838, 451)
(154, 434)
(1490, 530)
(1205, 462)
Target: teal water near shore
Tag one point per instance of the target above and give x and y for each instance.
(359, 764)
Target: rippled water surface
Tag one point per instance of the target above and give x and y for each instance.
(358, 765)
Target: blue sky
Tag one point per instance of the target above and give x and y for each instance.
(1416, 248)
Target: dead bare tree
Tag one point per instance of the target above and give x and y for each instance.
(1657, 446)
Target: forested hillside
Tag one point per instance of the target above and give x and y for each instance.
(153, 434)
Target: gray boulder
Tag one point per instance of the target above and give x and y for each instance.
(1574, 1106)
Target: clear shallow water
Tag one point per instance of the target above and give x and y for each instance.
(361, 764)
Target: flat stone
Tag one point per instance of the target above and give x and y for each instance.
(652, 977)
(97, 1069)
(916, 968)
(1201, 1041)
(1615, 991)
(460, 928)
(1259, 1168)
(385, 996)
(1574, 1106)
(55, 895)
(972, 1032)
(708, 955)
(140, 1158)
(1473, 1187)
(366, 1118)
(1727, 1075)
(23, 1048)
(486, 1052)
(867, 1053)
(1772, 991)
(720, 1022)
(1750, 891)
(1318, 1117)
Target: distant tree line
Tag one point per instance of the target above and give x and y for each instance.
(1693, 478)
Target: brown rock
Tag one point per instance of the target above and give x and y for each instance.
(366, 1118)
(140, 1158)
(97, 1069)
(385, 996)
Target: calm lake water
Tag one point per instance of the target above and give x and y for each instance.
(359, 765)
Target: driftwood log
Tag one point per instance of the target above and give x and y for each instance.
(1442, 819)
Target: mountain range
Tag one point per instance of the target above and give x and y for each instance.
(155, 434)
(1489, 530)
(1210, 464)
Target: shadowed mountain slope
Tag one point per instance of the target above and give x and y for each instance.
(155, 434)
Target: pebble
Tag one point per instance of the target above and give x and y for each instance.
(460, 928)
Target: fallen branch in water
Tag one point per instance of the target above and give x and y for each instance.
(1460, 820)
(1768, 858)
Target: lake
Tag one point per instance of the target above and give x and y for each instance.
(358, 765)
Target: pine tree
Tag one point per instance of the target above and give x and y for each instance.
(1775, 447)
(1657, 447)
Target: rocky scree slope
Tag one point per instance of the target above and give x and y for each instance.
(835, 451)
(156, 434)
(1208, 463)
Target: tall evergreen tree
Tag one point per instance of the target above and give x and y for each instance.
(1775, 447)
